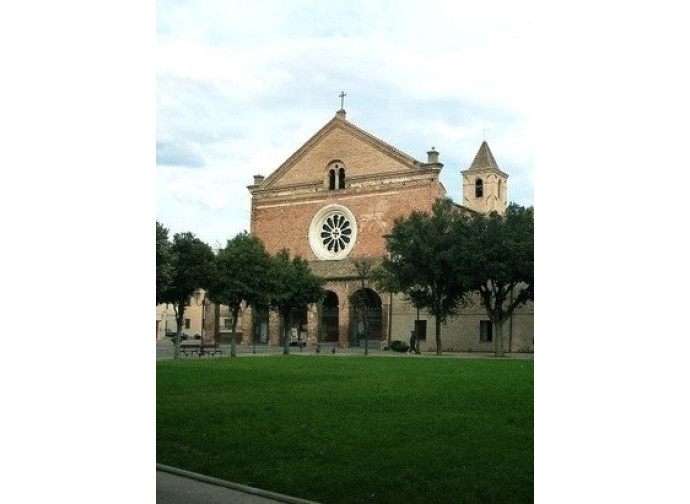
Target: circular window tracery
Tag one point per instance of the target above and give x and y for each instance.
(333, 232)
(336, 233)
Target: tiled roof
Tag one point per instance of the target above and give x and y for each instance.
(484, 160)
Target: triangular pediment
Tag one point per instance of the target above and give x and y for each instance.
(361, 153)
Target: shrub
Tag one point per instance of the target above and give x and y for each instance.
(399, 346)
(174, 338)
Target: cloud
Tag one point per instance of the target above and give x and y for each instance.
(179, 153)
(242, 85)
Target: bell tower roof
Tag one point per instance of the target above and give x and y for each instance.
(484, 160)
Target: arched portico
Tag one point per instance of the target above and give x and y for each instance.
(373, 329)
(330, 317)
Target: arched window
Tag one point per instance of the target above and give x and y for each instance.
(331, 179)
(478, 188)
(335, 175)
(260, 323)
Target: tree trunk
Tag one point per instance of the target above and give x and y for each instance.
(366, 338)
(439, 351)
(180, 321)
(498, 329)
(510, 325)
(216, 323)
(365, 325)
(390, 318)
(286, 326)
(233, 345)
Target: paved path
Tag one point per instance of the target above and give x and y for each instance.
(165, 350)
(176, 486)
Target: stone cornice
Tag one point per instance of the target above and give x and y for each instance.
(371, 180)
(362, 186)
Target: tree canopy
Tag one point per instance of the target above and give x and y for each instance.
(499, 262)
(164, 260)
(295, 287)
(242, 274)
(191, 269)
(439, 260)
(422, 263)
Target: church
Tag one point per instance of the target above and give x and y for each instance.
(332, 202)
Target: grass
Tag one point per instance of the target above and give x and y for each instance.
(353, 429)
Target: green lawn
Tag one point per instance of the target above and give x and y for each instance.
(353, 429)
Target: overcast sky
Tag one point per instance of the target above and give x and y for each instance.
(241, 85)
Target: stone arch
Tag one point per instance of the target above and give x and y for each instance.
(374, 315)
(478, 188)
(330, 317)
(260, 325)
(335, 175)
(298, 330)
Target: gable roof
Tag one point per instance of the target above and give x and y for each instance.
(339, 122)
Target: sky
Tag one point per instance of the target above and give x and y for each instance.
(242, 85)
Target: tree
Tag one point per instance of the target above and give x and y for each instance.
(360, 300)
(242, 275)
(295, 287)
(499, 262)
(164, 260)
(191, 269)
(422, 264)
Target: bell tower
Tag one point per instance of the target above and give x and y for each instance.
(484, 186)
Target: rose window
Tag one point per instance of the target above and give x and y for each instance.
(333, 232)
(336, 233)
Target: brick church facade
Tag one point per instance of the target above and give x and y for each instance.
(332, 202)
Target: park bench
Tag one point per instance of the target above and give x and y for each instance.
(190, 348)
(200, 349)
(210, 349)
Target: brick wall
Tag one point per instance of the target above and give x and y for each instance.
(285, 224)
